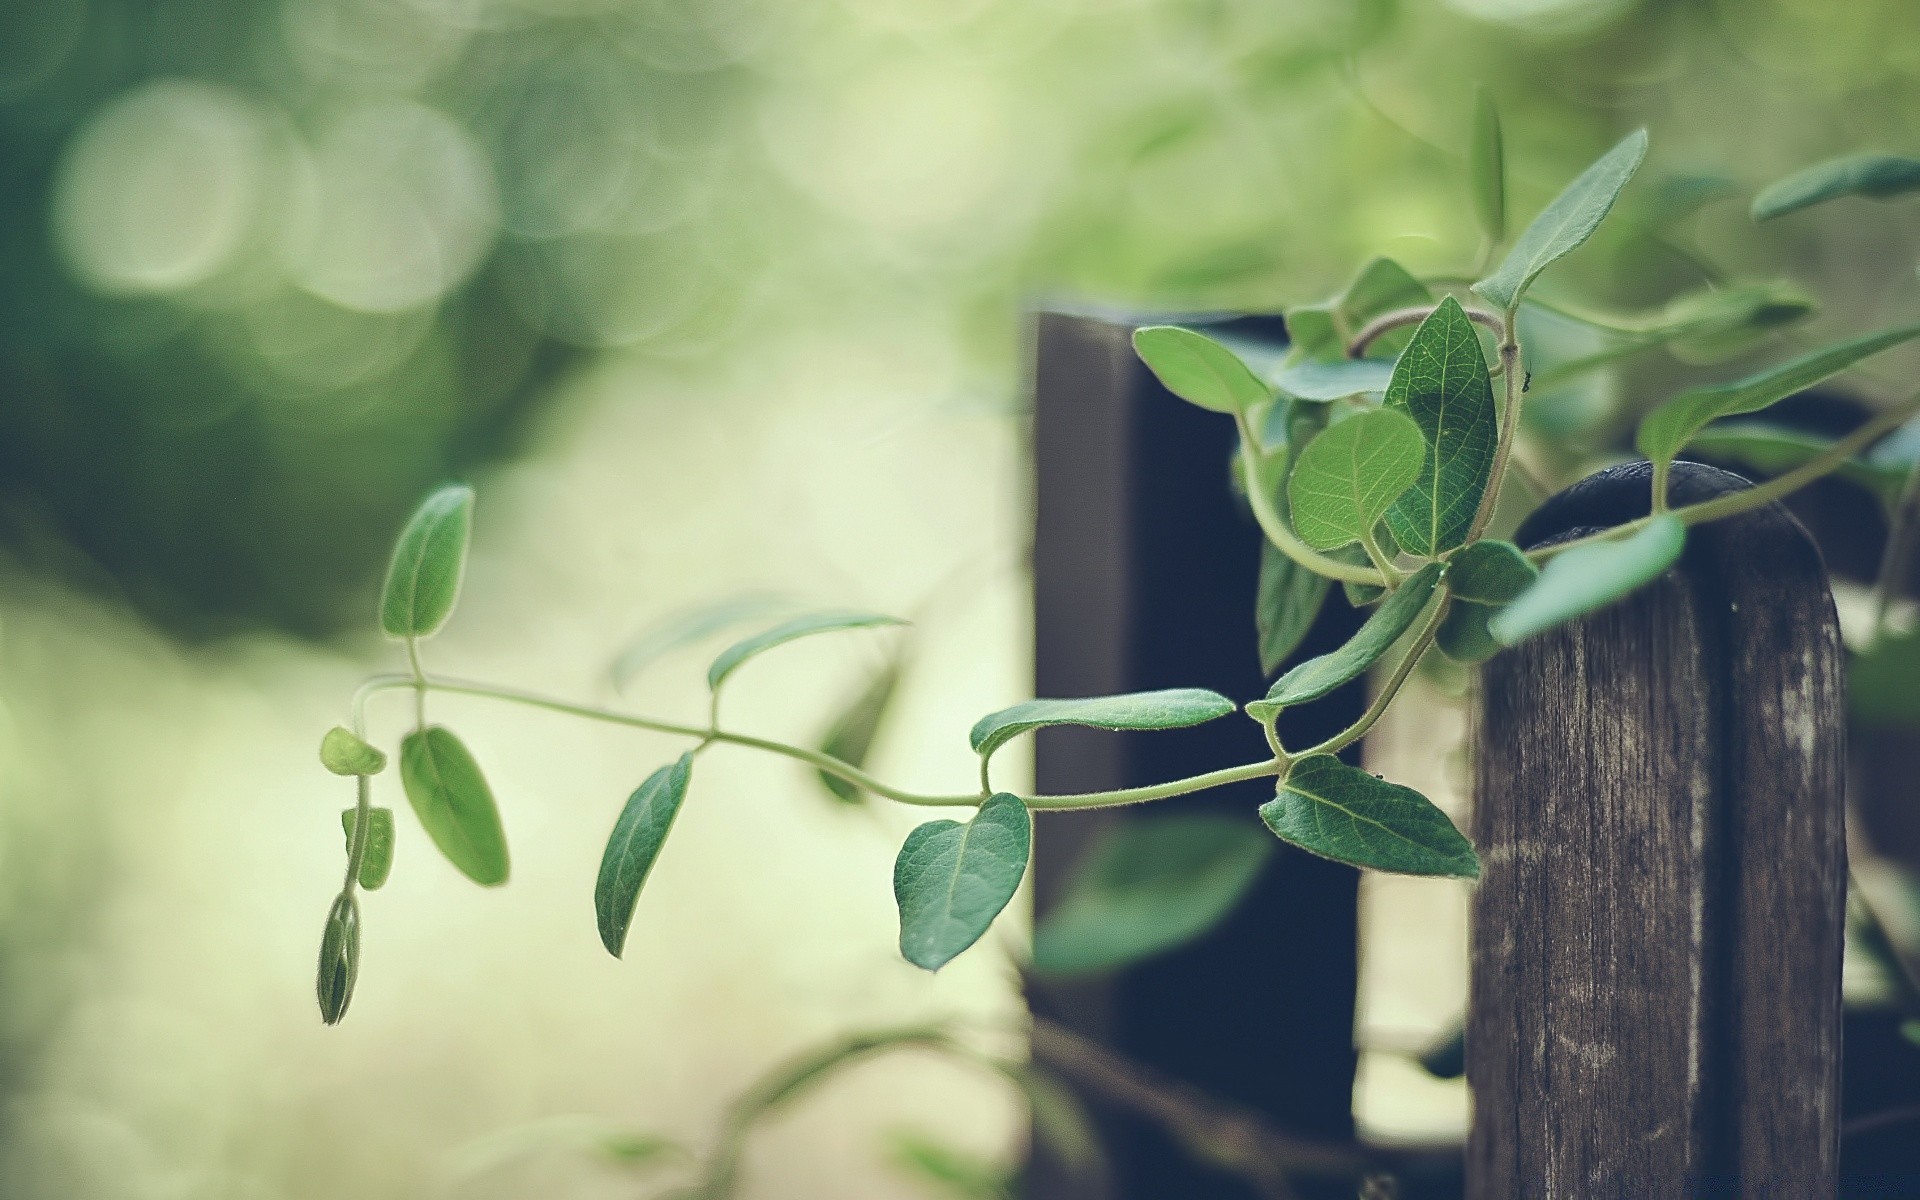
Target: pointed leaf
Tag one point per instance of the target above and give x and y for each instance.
(1340, 812)
(377, 862)
(1487, 168)
(1318, 676)
(1463, 635)
(1877, 176)
(1590, 577)
(1346, 478)
(1198, 369)
(633, 848)
(1564, 224)
(1774, 450)
(344, 753)
(1667, 429)
(1146, 886)
(423, 580)
(1321, 380)
(686, 627)
(1441, 382)
(1290, 598)
(787, 631)
(1172, 708)
(952, 880)
(1490, 572)
(454, 804)
(850, 737)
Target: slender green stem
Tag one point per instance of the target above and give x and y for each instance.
(813, 758)
(357, 851)
(1379, 557)
(1513, 385)
(1758, 496)
(1354, 732)
(1276, 528)
(1898, 554)
(419, 683)
(1387, 322)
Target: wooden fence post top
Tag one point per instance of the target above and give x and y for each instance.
(1657, 934)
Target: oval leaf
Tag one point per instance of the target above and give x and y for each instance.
(1289, 599)
(952, 880)
(1589, 577)
(454, 805)
(1441, 382)
(343, 753)
(633, 847)
(787, 631)
(1318, 676)
(1563, 225)
(1487, 168)
(1877, 176)
(339, 966)
(1198, 369)
(1340, 812)
(1348, 476)
(1490, 572)
(1173, 708)
(1667, 429)
(377, 862)
(423, 579)
(1145, 886)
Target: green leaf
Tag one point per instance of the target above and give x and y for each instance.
(633, 848)
(452, 800)
(339, 964)
(1318, 676)
(1880, 682)
(1876, 176)
(1585, 578)
(1717, 323)
(1346, 478)
(343, 753)
(1322, 380)
(1340, 812)
(1173, 708)
(952, 880)
(1319, 332)
(850, 736)
(688, 626)
(1566, 223)
(1668, 428)
(1441, 382)
(1463, 635)
(1313, 336)
(1490, 572)
(377, 862)
(1148, 885)
(1198, 369)
(787, 631)
(1487, 168)
(423, 579)
(1360, 595)
(1773, 450)
(1289, 600)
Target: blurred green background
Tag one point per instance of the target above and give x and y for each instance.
(705, 296)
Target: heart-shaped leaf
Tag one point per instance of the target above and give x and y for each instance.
(423, 580)
(1340, 812)
(377, 862)
(1441, 382)
(1589, 577)
(1346, 478)
(1487, 168)
(454, 804)
(1290, 598)
(1877, 176)
(1667, 429)
(1318, 676)
(1147, 885)
(1172, 708)
(1490, 572)
(1566, 223)
(951, 880)
(634, 846)
(1198, 369)
(344, 753)
(799, 627)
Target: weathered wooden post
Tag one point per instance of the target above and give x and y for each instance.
(1657, 934)
(1144, 577)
